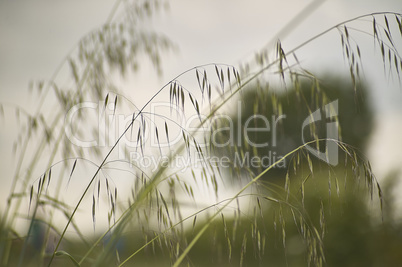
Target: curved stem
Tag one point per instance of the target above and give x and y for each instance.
(219, 106)
(255, 179)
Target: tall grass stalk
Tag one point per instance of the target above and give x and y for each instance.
(230, 82)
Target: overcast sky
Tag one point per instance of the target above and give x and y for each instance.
(35, 36)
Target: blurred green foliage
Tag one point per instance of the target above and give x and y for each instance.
(353, 233)
(285, 111)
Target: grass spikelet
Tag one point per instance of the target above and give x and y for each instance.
(72, 171)
(49, 178)
(243, 249)
(30, 197)
(93, 211)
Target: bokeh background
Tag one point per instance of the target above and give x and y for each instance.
(35, 36)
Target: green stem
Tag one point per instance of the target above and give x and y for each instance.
(255, 179)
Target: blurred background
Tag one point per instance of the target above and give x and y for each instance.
(35, 37)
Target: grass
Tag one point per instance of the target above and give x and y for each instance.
(154, 203)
